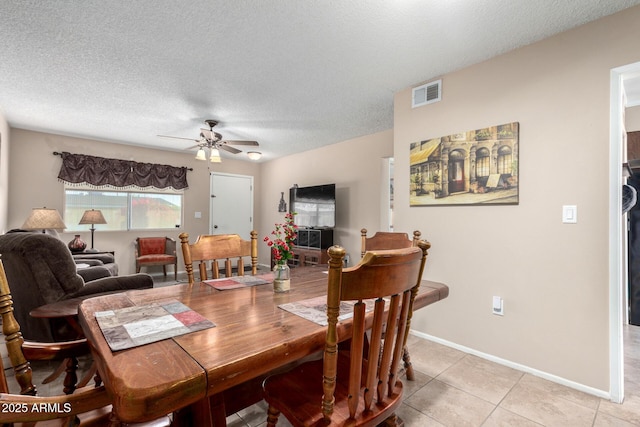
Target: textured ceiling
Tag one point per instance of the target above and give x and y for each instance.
(293, 75)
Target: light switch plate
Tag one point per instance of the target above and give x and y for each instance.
(497, 306)
(569, 214)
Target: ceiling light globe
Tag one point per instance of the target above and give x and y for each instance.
(215, 156)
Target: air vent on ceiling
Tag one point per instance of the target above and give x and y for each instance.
(426, 94)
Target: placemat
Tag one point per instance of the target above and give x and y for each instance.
(134, 326)
(235, 282)
(315, 309)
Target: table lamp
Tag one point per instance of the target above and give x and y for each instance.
(44, 219)
(92, 217)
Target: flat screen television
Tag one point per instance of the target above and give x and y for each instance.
(315, 206)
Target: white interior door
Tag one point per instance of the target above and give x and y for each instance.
(231, 205)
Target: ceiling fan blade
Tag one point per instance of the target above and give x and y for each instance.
(176, 137)
(228, 148)
(194, 146)
(234, 142)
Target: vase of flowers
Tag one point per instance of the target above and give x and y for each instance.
(281, 278)
(281, 244)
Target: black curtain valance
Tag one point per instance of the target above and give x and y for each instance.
(99, 171)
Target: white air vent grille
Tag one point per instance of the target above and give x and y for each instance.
(426, 94)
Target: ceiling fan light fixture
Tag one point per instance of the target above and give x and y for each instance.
(215, 156)
(200, 155)
(210, 141)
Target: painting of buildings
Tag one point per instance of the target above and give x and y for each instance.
(469, 168)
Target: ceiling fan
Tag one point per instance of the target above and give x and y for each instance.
(212, 141)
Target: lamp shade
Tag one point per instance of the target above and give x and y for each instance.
(215, 156)
(254, 155)
(44, 219)
(92, 217)
(200, 155)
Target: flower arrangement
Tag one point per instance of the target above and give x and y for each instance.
(282, 242)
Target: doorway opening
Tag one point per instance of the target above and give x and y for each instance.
(617, 228)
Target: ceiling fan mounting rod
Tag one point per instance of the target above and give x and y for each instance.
(211, 123)
(214, 137)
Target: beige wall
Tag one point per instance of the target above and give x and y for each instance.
(355, 167)
(33, 177)
(632, 119)
(553, 276)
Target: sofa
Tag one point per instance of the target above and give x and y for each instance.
(105, 260)
(41, 270)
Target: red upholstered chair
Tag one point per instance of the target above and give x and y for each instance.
(156, 251)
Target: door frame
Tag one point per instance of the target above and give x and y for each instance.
(617, 249)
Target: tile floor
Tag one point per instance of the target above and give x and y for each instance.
(455, 389)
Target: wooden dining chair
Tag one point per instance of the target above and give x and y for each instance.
(360, 386)
(394, 240)
(207, 250)
(386, 240)
(86, 405)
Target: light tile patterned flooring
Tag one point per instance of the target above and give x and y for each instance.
(457, 389)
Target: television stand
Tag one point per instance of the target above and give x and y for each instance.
(310, 248)
(305, 257)
(314, 238)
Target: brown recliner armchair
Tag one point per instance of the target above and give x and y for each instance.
(41, 271)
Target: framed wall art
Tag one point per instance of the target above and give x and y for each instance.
(477, 167)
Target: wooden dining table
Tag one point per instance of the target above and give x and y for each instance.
(187, 374)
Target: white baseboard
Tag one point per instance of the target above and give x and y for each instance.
(523, 368)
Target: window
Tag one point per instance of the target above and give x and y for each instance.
(124, 210)
(482, 162)
(504, 160)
